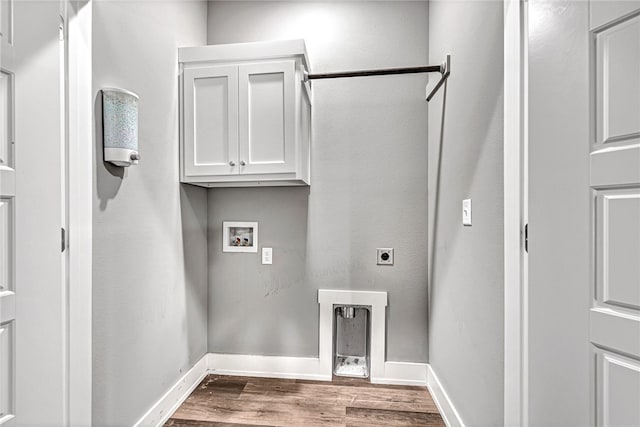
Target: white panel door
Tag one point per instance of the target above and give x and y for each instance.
(211, 121)
(615, 188)
(32, 292)
(267, 117)
(7, 219)
(7, 253)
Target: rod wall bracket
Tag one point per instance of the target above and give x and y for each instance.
(445, 70)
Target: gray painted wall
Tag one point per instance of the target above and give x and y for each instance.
(369, 185)
(149, 250)
(465, 161)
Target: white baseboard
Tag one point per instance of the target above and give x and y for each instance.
(403, 373)
(306, 368)
(172, 399)
(303, 368)
(448, 412)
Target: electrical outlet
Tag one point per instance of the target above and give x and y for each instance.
(385, 256)
(267, 256)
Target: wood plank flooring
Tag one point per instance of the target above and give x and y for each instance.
(246, 401)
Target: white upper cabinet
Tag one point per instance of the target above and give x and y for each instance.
(246, 114)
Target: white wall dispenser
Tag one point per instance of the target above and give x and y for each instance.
(120, 126)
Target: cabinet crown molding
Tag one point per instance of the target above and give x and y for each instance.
(236, 52)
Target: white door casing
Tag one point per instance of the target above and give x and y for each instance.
(267, 117)
(515, 212)
(211, 121)
(557, 358)
(614, 329)
(80, 161)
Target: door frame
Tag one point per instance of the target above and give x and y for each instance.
(80, 174)
(80, 160)
(515, 213)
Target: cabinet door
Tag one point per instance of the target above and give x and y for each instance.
(267, 118)
(211, 121)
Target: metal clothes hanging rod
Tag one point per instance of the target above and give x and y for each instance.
(379, 72)
(444, 69)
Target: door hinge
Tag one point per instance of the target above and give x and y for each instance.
(64, 239)
(526, 238)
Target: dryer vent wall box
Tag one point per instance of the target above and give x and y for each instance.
(245, 114)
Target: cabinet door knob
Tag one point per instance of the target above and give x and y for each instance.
(232, 163)
(242, 163)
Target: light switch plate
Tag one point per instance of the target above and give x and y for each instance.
(466, 212)
(267, 256)
(385, 256)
